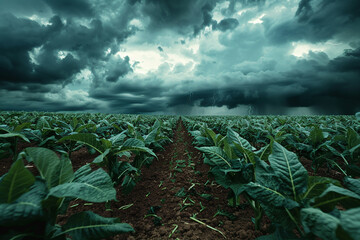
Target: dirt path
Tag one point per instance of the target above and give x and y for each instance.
(175, 195)
(174, 199)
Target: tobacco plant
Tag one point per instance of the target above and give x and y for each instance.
(30, 205)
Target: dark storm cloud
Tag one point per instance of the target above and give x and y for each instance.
(16, 64)
(65, 55)
(26, 100)
(318, 20)
(148, 88)
(328, 86)
(119, 69)
(71, 7)
(24, 7)
(186, 16)
(127, 97)
(81, 46)
(88, 41)
(226, 24)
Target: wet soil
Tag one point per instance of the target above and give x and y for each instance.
(175, 199)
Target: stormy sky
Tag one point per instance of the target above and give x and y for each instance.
(181, 57)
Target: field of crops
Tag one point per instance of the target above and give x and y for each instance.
(109, 176)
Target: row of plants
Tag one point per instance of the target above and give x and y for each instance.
(328, 141)
(274, 182)
(30, 204)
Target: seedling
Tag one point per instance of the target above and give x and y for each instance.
(181, 193)
(152, 213)
(202, 207)
(125, 206)
(173, 231)
(108, 206)
(208, 226)
(230, 216)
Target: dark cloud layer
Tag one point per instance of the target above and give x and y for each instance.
(330, 88)
(16, 64)
(319, 20)
(76, 8)
(71, 55)
(186, 16)
(226, 24)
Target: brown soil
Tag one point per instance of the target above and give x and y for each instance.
(322, 171)
(158, 187)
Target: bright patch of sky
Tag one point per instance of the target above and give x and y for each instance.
(82, 81)
(148, 58)
(331, 48)
(257, 20)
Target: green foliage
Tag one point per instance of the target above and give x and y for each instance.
(29, 207)
(15, 183)
(89, 226)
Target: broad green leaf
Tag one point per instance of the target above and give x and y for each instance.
(14, 134)
(133, 144)
(93, 187)
(64, 172)
(90, 226)
(85, 126)
(228, 150)
(269, 196)
(20, 127)
(215, 155)
(220, 177)
(150, 138)
(51, 168)
(100, 158)
(157, 124)
(353, 184)
(350, 223)
(212, 136)
(319, 223)
(26, 209)
(353, 138)
(278, 215)
(86, 138)
(118, 139)
(235, 137)
(265, 175)
(16, 182)
(287, 166)
(42, 123)
(317, 185)
(334, 195)
(82, 172)
(241, 145)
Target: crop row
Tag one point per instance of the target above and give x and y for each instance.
(256, 159)
(30, 204)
